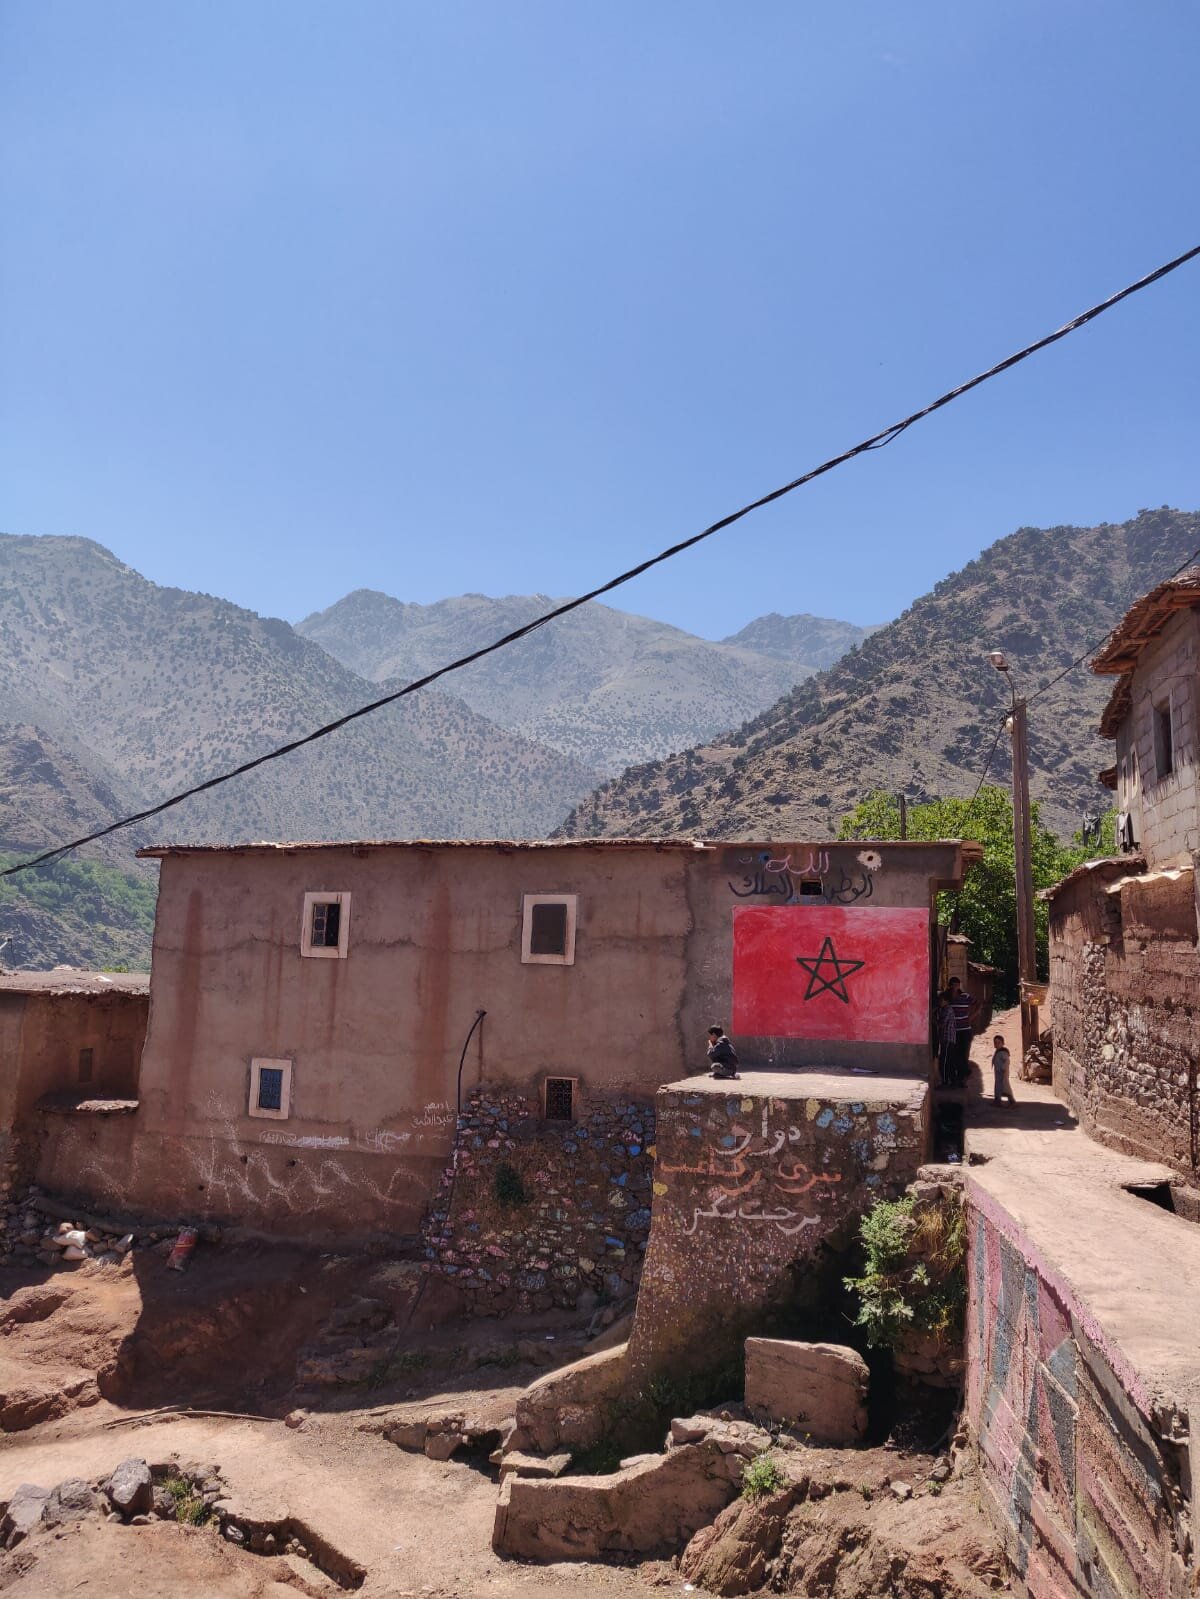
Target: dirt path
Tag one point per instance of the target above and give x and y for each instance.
(416, 1526)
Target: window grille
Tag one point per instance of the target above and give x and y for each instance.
(270, 1088)
(326, 924)
(560, 1099)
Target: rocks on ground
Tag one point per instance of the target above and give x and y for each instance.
(818, 1389)
(38, 1231)
(840, 1528)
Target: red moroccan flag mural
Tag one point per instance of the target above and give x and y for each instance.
(859, 973)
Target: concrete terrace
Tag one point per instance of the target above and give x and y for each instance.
(1131, 1265)
(877, 1091)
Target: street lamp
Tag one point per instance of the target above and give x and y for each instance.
(1023, 853)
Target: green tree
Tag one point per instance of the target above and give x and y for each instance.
(987, 901)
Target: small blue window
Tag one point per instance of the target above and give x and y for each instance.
(270, 1088)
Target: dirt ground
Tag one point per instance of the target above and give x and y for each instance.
(83, 1354)
(90, 1358)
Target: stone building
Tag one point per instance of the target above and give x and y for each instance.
(1124, 967)
(317, 1063)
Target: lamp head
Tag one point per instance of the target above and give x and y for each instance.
(998, 659)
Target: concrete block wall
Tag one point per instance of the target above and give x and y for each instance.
(1083, 1471)
(1168, 809)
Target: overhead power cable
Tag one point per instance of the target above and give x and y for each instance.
(877, 441)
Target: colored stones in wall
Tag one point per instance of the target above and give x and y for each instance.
(747, 1188)
(533, 1213)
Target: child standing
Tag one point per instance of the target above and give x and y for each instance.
(1001, 1060)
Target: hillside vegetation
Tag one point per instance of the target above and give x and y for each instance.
(914, 709)
(76, 913)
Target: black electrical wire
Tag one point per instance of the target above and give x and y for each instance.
(876, 442)
(1096, 643)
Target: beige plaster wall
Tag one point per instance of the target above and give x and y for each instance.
(41, 1036)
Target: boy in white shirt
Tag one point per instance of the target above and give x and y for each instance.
(1001, 1060)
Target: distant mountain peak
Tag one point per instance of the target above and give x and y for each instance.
(818, 641)
(606, 687)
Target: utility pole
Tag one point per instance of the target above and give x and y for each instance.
(1023, 850)
(1023, 859)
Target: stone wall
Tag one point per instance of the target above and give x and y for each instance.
(1125, 992)
(532, 1213)
(751, 1180)
(1084, 1473)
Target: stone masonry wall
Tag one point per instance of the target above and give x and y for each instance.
(1125, 993)
(1085, 1477)
(578, 1236)
(752, 1180)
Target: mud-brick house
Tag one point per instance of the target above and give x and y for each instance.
(1124, 965)
(316, 1041)
(68, 1040)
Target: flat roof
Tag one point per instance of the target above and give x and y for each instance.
(69, 980)
(971, 850)
(876, 1090)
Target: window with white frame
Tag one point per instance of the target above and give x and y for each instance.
(325, 929)
(271, 1089)
(548, 929)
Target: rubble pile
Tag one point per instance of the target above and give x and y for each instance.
(36, 1231)
(1038, 1064)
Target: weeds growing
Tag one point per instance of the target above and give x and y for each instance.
(762, 1476)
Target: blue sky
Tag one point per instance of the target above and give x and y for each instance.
(299, 297)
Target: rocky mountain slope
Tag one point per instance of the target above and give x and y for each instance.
(603, 686)
(915, 708)
(116, 691)
(816, 640)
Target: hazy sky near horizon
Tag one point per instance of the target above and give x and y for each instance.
(297, 298)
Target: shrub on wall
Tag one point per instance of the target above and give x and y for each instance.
(912, 1280)
(507, 1187)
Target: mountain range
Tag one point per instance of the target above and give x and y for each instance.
(601, 686)
(118, 691)
(916, 708)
